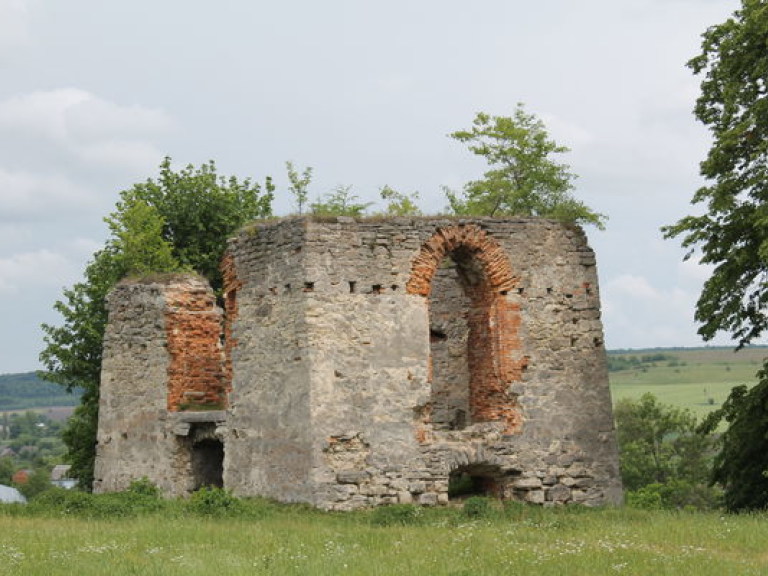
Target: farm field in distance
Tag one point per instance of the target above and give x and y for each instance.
(698, 379)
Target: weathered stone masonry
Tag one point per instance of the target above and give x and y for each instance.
(368, 362)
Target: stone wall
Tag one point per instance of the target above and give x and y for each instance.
(162, 354)
(377, 361)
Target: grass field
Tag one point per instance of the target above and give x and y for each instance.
(533, 541)
(698, 379)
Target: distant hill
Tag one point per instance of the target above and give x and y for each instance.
(26, 391)
(697, 379)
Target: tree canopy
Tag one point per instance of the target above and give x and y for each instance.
(178, 222)
(731, 234)
(659, 444)
(524, 179)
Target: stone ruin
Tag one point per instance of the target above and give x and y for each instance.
(366, 362)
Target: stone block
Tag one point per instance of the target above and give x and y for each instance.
(527, 483)
(428, 499)
(559, 493)
(404, 497)
(351, 476)
(535, 497)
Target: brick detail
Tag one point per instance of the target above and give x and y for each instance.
(193, 329)
(498, 273)
(232, 285)
(493, 345)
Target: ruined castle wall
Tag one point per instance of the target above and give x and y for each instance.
(369, 362)
(370, 345)
(376, 425)
(269, 439)
(161, 350)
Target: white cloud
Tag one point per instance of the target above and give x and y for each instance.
(14, 23)
(566, 132)
(632, 286)
(692, 270)
(91, 118)
(134, 155)
(638, 312)
(88, 127)
(31, 196)
(36, 269)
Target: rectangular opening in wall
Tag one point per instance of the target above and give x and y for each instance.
(204, 451)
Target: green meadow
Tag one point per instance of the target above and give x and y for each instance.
(698, 379)
(524, 540)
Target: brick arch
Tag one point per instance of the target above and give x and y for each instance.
(493, 355)
(487, 251)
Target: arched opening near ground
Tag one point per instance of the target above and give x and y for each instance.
(474, 321)
(476, 480)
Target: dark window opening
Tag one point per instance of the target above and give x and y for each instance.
(449, 308)
(208, 464)
(476, 480)
(203, 452)
(436, 334)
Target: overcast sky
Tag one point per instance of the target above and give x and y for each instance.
(94, 94)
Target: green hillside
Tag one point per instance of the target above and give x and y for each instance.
(695, 378)
(27, 391)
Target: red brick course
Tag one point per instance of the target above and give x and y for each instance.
(232, 285)
(193, 327)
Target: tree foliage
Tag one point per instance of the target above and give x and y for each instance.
(741, 465)
(662, 455)
(523, 179)
(137, 233)
(299, 185)
(731, 235)
(199, 209)
(398, 203)
(179, 221)
(341, 201)
(659, 443)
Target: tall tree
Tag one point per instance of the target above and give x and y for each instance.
(72, 355)
(200, 209)
(180, 220)
(524, 179)
(732, 233)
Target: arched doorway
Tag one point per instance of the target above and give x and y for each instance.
(476, 480)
